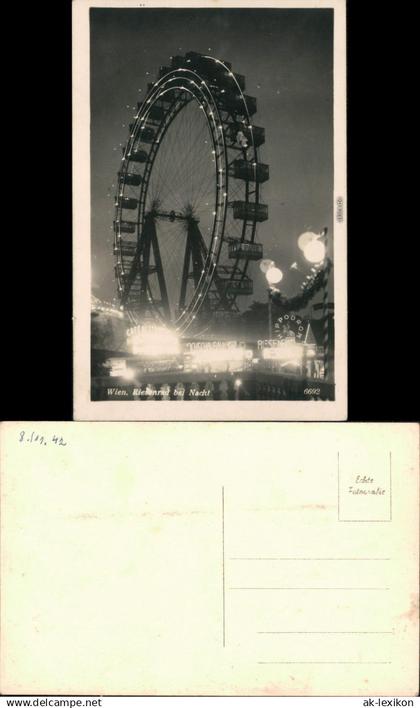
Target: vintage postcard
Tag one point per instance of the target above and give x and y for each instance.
(210, 210)
(209, 559)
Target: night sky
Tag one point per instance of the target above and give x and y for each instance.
(287, 59)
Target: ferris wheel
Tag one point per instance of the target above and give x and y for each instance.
(189, 196)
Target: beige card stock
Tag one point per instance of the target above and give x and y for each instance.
(207, 558)
(295, 68)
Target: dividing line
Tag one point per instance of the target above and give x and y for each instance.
(223, 567)
(323, 662)
(327, 632)
(277, 588)
(390, 486)
(338, 486)
(279, 558)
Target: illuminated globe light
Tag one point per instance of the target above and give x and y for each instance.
(265, 264)
(314, 252)
(274, 275)
(306, 238)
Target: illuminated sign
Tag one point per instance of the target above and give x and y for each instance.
(118, 368)
(152, 341)
(223, 354)
(287, 351)
(290, 327)
(217, 355)
(210, 346)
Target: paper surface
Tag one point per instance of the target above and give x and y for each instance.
(296, 69)
(221, 559)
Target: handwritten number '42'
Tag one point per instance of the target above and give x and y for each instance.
(58, 441)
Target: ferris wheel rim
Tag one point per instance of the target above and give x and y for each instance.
(204, 89)
(201, 290)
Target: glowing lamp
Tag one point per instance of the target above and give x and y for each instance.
(274, 275)
(314, 252)
(265, 264)
(306, 238)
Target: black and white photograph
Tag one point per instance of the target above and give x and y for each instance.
(210, 211)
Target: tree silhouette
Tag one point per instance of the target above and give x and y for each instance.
(255, 320)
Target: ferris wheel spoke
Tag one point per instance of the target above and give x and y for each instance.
(161, 188)
(162, 192)
(190, 159)
(204, 198)
(206, 189)
(189, 169)
(162, 183)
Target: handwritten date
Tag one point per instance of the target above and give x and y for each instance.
(34, 438)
